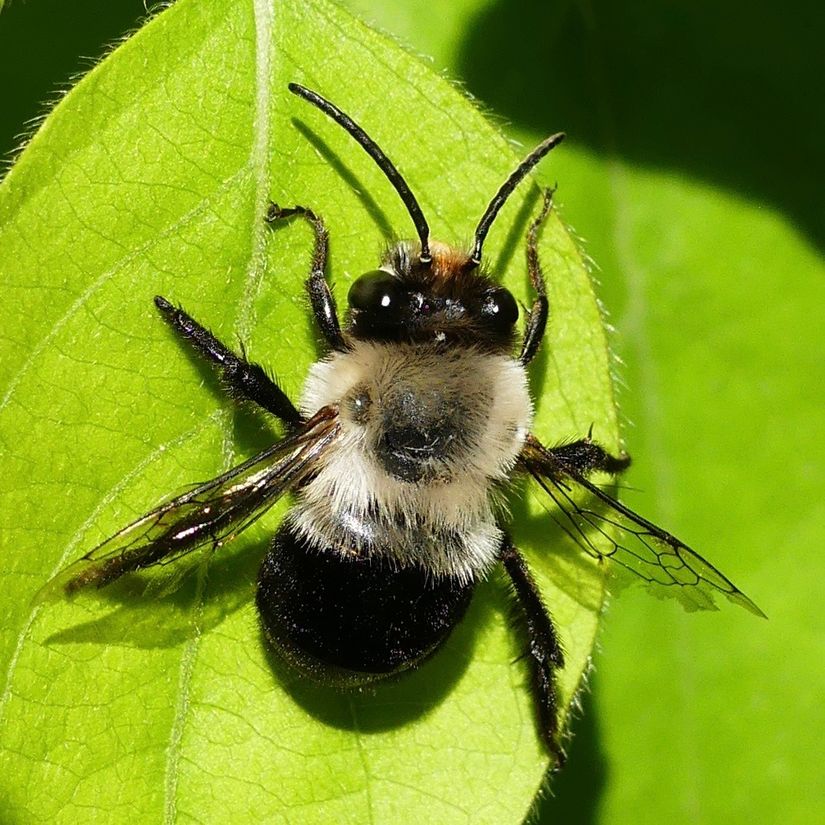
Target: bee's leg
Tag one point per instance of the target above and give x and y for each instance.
(584, 456)
(242, 379)
(323, 304)
(544, 649)
(537, 319)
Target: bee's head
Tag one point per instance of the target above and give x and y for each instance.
(446, 299)
(429, 290)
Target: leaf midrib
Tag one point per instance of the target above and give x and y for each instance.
(259, 164)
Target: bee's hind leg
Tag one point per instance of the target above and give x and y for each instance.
(543, 647)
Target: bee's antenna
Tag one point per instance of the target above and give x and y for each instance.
(506, 190)
(384, 163)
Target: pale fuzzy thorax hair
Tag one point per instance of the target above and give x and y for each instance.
(446, 524)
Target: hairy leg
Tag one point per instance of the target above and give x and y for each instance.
(543, 649)
(323, 304)
(243, 380)
(537, 319)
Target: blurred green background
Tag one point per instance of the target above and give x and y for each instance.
(693, 173)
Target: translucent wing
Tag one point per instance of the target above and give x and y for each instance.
(213, 512)
(605, 528)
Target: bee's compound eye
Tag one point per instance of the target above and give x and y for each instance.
(500, 308)
(378, 293)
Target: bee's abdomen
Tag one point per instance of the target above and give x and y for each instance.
(349, 619)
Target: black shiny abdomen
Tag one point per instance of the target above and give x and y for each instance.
(351, 620)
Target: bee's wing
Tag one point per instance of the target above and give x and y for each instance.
(215, 511)
(605, 528)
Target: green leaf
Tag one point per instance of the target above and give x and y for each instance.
(152, 177)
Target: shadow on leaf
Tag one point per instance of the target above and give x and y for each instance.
(156, 608)
(720, 92)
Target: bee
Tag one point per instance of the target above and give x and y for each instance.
(409, 430)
